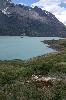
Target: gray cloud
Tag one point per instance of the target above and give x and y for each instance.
(54, 7)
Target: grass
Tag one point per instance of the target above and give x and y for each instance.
(56, 44)
(16, 77)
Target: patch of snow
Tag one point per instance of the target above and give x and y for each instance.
(52, 17)
(46, 12)
(29, 9)
(5, 10)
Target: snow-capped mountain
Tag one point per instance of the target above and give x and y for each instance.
(20, 19)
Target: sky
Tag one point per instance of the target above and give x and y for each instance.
(56, 7)
(27, 2)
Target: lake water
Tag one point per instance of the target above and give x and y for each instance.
(13, 47)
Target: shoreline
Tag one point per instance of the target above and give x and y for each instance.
(58, 45)
(40, 75)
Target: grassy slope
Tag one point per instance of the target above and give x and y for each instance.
(16, 83)
(56, 44)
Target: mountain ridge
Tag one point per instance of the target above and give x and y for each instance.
(16, 20)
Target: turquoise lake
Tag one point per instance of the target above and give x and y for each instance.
(15, 47)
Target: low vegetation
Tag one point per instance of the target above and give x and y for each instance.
(40, 78)
(56, 44)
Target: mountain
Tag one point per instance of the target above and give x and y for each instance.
(16, 20)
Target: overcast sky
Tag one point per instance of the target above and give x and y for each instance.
(57, 7)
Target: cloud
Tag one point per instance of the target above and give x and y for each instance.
(64, 1)
(53, 6)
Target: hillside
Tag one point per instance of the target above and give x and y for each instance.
(20, 19)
